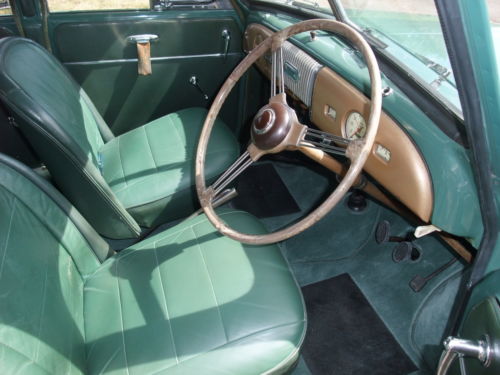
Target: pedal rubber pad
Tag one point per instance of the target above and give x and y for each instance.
(401, 252)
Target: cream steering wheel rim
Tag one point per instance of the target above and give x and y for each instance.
(357, 151)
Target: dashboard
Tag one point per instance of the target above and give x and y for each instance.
(335, 106)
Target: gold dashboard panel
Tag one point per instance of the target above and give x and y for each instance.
(254, 35)
(405, 174)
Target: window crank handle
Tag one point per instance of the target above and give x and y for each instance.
(195, 82)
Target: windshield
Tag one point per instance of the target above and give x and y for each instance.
(494, 9)
(318, 6)
(412, 34)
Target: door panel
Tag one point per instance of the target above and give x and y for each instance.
(483, 319)
(480, 328)
(94, 47)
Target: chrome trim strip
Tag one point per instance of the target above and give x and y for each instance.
(163, 58)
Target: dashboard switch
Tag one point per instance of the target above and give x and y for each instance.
(332, 113)
(383, 153)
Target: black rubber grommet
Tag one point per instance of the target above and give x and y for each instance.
(402, 252)
(357, 201)
(382, 232)
(415, 254)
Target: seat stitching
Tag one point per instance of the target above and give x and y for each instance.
(211, 283)
(150, 149)
(42, 311)
(165, 300)
(7, 238)
(128, 252)
(175, 236)
(121, 315)
(50, 231)
(175, 129)
(25, 356)
(72, 330)
(137, 182)
(178, 232)
(120, 160)
(231, 342)
(106, 365)
(187, 188)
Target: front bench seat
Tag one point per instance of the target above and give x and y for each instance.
(142, 178)
(185, 301)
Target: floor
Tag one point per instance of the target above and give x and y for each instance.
(343, 242)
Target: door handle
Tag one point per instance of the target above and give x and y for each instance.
(455, 347)
(143, 43)
(226, 35)
(142, 38)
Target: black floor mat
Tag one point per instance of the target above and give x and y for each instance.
(345, 335)
(262, 193)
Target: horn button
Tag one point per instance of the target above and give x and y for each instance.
(271, 125)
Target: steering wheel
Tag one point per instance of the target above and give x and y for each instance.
(276, 128)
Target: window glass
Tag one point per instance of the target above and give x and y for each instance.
(317, 6)
(79, 5)
(413, 37)
(5, 8)
(494, 9)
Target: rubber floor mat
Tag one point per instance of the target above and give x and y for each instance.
(345, 335)
(262, 192)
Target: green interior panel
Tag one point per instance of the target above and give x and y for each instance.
(94, 48)
(483, 319)
(127, 100)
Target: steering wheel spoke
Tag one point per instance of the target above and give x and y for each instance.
(237, 168)
(324, 141)
(277, 72)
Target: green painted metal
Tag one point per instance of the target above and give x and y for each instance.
(480, 42)
(456, 207)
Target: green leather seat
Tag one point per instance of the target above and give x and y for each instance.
(185, 301)
(139, 179)
(150, 169)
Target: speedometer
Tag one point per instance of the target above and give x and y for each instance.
(355, 126)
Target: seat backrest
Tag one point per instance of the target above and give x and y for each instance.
(65, 130)
(46, 251)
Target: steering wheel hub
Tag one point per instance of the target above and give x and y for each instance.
(264, 121)
(271, 125)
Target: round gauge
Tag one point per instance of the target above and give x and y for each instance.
(355, 126)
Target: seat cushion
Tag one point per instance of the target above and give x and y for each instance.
(151, 169)
(190, 301)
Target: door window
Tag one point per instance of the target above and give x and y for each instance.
(5, 9)
(83, 5)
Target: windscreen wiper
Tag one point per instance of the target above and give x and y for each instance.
(307, 4)
(377, 42)
(434, 66)
(442, 71)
